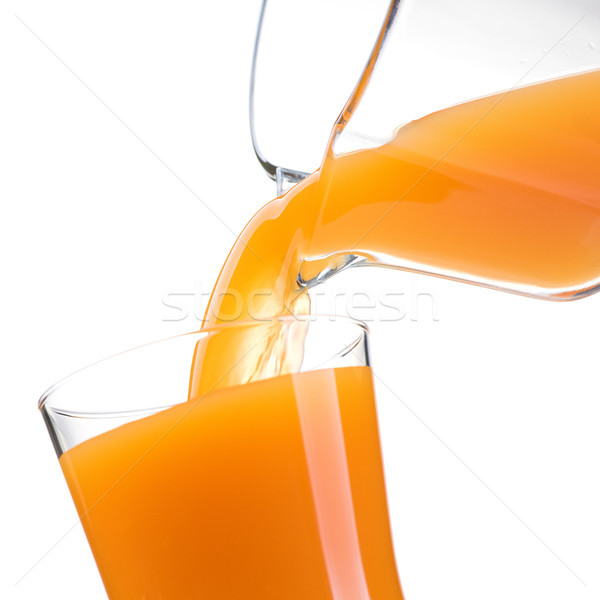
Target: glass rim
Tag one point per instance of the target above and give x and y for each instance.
(330, 318)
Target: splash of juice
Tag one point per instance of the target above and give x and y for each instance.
(265, 491)
(504, 189)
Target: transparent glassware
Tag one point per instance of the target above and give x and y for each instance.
(290, 129)
(429, 55)
(270, 489)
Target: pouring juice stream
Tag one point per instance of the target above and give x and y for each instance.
(504, 189)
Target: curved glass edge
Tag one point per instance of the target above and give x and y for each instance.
(369, 259)
(201, 333)
(284, 168)
(68, 426)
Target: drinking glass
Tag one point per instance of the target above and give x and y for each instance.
(265, 487)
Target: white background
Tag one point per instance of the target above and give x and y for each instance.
(119, 123)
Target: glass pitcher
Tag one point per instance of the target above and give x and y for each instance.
(482, 60)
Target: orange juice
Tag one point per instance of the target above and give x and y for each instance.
(504, 189)
(274, 489)
(270, 490)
